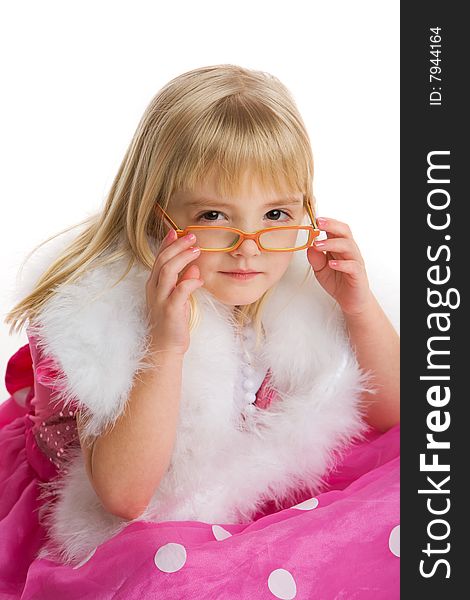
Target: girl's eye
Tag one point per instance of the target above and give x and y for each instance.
(276, 210)
(204, 216)
(210, 212)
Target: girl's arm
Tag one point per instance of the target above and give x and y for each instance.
(377, 348)
(340, 270)
(125, 465)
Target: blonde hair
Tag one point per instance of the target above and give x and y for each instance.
(221, 118)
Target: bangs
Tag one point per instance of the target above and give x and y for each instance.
(237, 136)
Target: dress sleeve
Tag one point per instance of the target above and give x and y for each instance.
(19, 382)
(19, 373)
(54, 422)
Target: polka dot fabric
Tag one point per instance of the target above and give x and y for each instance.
(54, 425)
(342, 543)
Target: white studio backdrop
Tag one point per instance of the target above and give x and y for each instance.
(78, 77)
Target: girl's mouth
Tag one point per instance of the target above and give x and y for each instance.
(240, 276)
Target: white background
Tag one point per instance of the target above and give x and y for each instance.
(78, 76)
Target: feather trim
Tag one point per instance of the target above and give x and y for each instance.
(218, 472)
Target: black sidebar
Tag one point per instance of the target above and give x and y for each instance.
(435, 333)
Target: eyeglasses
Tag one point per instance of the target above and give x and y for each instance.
(217, 238)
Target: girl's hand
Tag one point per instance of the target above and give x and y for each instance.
(339, 267)
(168, 298)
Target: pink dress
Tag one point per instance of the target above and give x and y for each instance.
(343, 543)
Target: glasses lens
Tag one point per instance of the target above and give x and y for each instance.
(215, 239)
(284, 239)
(276, 239)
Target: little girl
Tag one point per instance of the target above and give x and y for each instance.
(201, 365)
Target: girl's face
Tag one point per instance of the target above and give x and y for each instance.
(252, 209)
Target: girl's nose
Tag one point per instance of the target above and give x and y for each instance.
(246, 248)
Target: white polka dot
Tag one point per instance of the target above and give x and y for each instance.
(170, 557)
(86, 559)
(282, 585)
(394, 541)
(220, 533)
(309, 504)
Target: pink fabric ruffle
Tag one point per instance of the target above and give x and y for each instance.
(343, 543)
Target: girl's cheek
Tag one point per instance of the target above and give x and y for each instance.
(209, 260)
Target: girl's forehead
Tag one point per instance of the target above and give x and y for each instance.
(241, 190)
(203, 197)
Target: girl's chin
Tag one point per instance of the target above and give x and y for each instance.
(235, 297)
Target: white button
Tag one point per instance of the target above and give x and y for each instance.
(249, 385)
(250, 397)
(250, 408)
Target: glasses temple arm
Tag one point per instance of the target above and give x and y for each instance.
(311, 215)
(168, 218)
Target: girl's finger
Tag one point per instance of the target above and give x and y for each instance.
(167, 240)
(169, 248)
(191, 272)
(170, 271)
(345, 246)
(334, 228)
(318, 260)
(183, 290)
(351, 267)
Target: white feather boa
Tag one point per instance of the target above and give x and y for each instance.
(218, 473)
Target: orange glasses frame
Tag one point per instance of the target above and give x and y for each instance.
(312, 229)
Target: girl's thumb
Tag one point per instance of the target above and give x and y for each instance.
(318, 260)
(192, 272)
